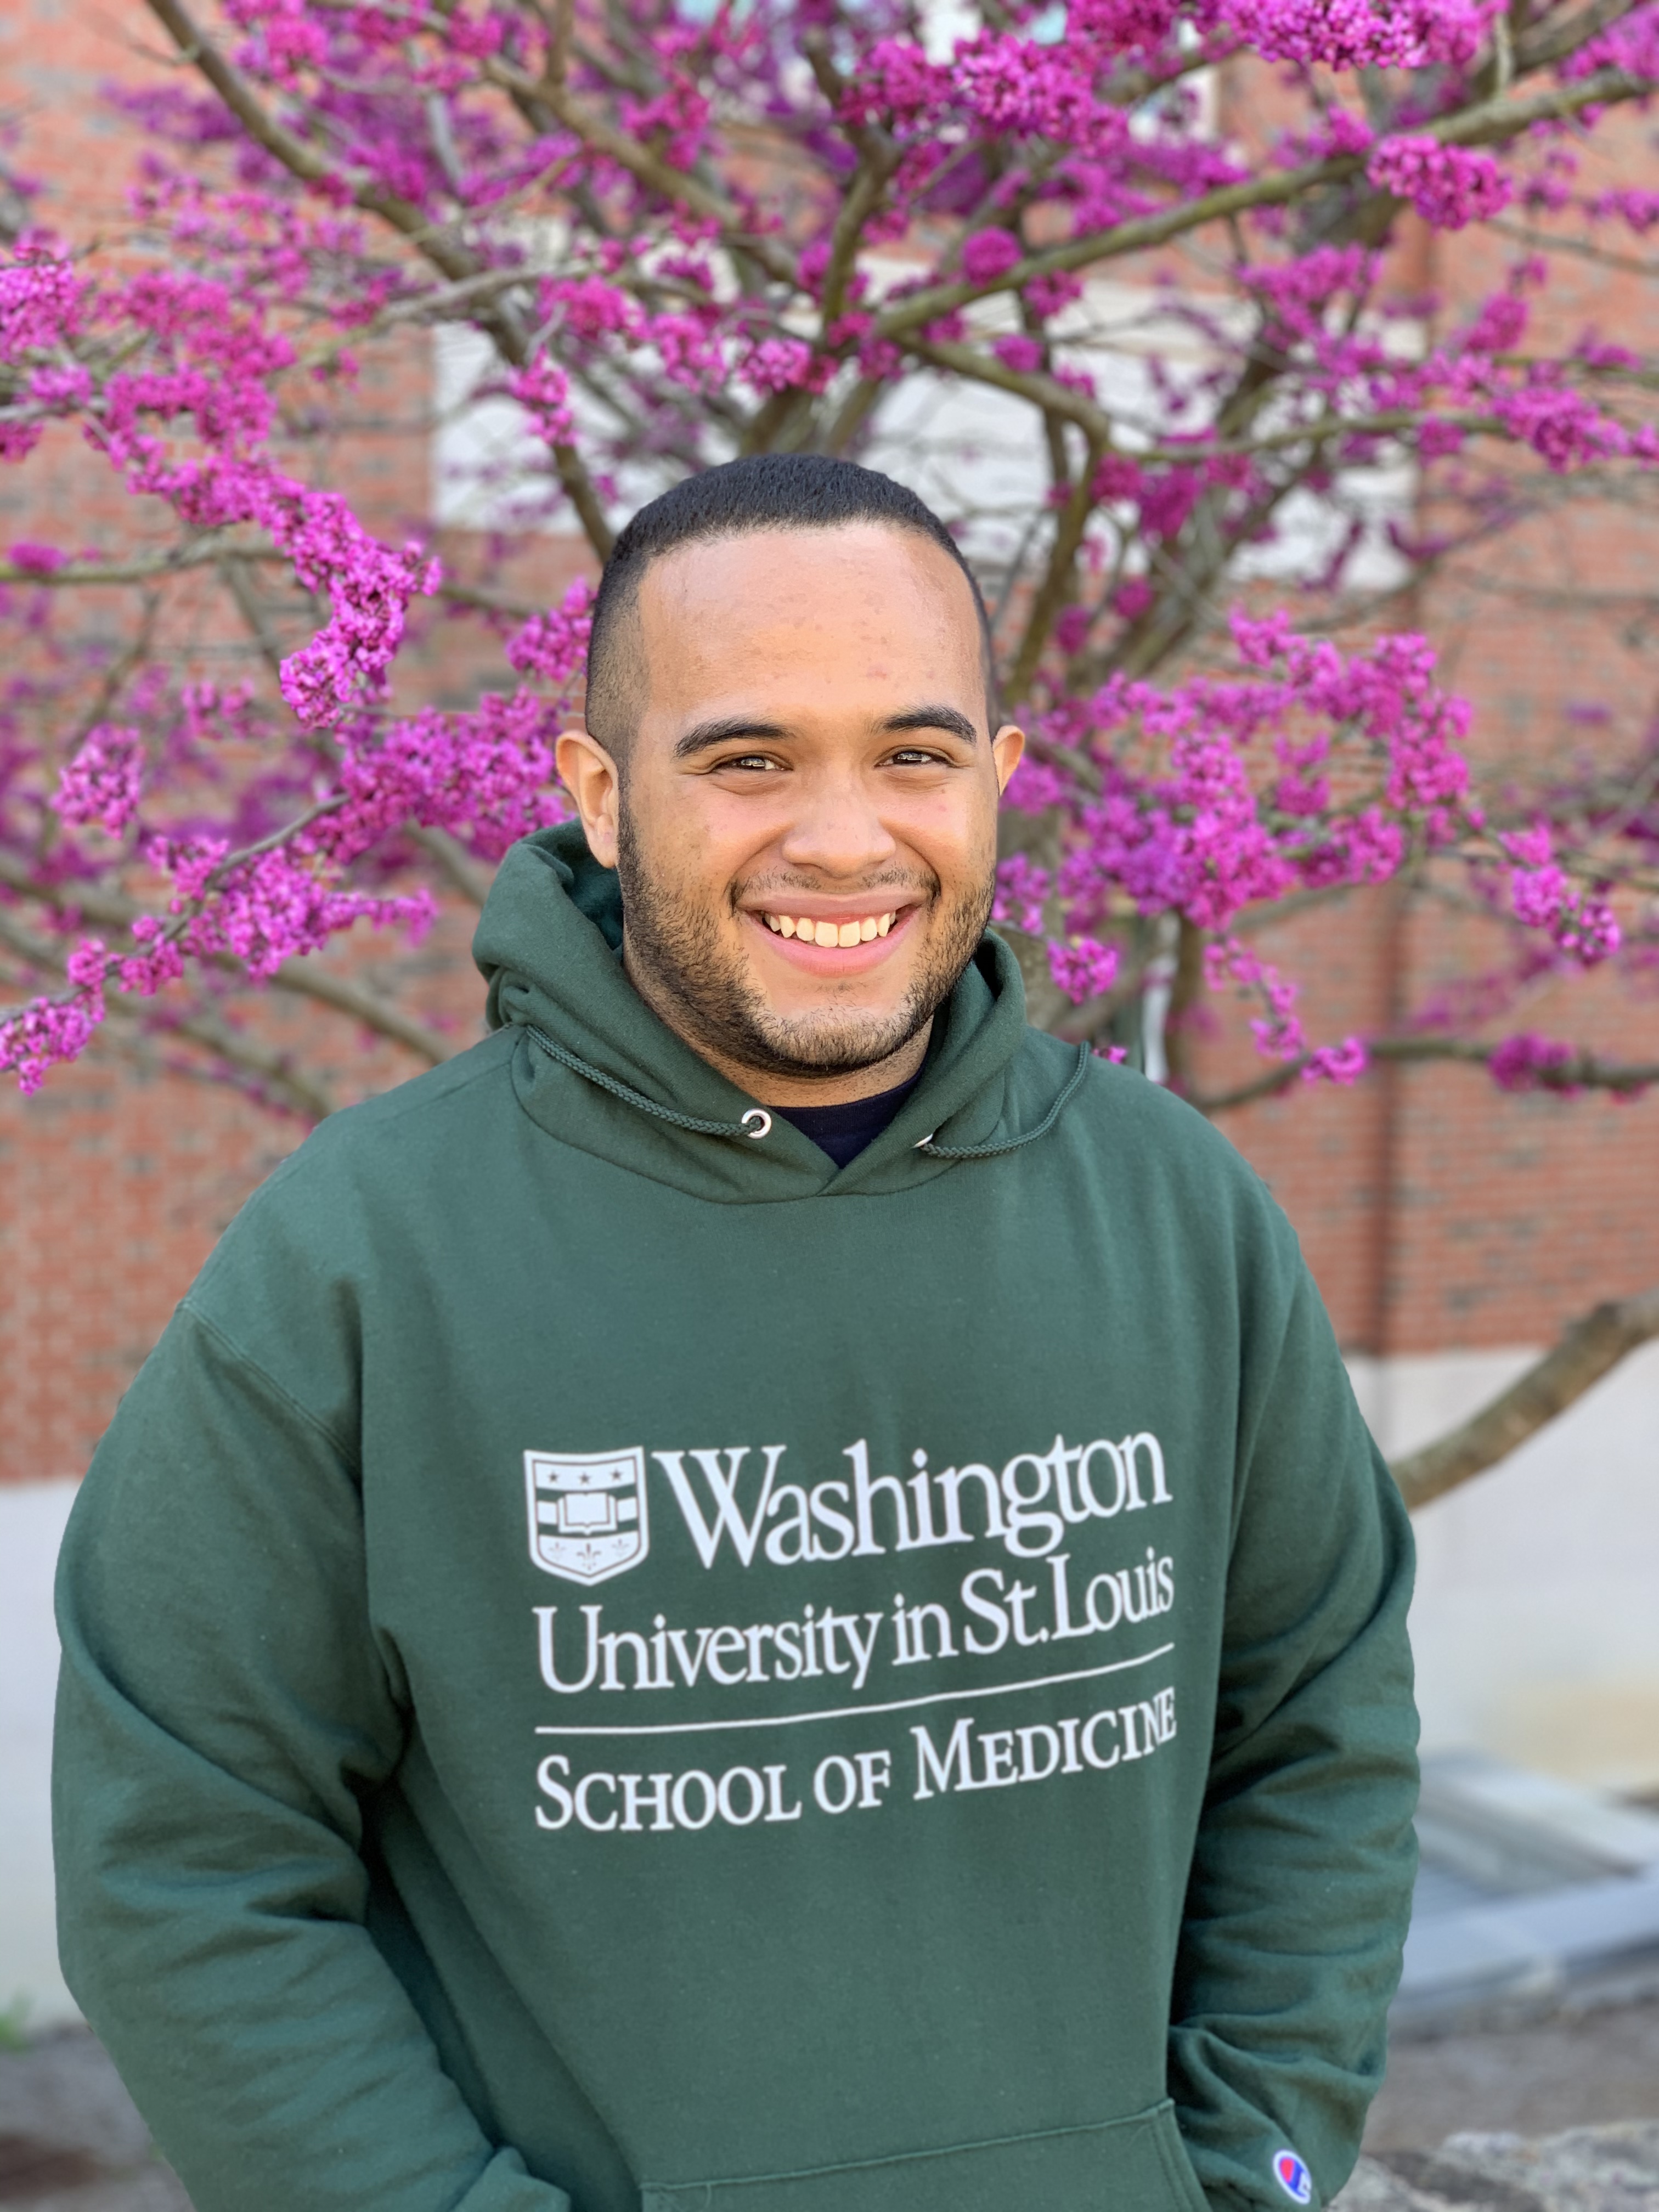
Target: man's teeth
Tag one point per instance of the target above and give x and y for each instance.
(831, 933)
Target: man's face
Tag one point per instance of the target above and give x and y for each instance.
(806, 825)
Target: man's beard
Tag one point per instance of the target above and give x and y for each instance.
(675, 943)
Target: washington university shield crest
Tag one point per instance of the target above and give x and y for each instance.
(588, 1514)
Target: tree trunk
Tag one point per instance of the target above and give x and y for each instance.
(1591, 1345)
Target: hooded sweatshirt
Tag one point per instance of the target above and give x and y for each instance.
(612, 1664)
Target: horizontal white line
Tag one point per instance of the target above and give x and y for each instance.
(860, 1712)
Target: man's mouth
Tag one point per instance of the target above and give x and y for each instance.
(852, 929)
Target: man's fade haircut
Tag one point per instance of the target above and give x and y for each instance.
(766, 491)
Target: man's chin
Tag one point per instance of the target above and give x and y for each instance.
(788, 1042)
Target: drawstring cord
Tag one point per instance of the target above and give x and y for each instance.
(761, 1120)
(630, 1096)
(1085, 1053)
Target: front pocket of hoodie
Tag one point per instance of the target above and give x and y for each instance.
(1132, 2164)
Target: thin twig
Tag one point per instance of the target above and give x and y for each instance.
(307, 1091)
(304, 978)
(1585, 1071)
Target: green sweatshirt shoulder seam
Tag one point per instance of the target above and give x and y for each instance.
(277, 1389)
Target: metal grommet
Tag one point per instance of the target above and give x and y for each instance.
(922, 1143)
(757, 1113)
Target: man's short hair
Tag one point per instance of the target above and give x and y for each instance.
(768, 491)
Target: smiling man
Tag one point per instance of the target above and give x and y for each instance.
(792, 760)
(765, 1594)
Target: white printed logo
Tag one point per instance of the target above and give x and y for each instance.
(587, 1513)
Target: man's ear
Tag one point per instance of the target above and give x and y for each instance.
(594, 780)
(1006, 747)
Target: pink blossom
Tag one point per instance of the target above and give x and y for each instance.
(897, 81)
(1121, 26)
(38, 560)
(1630, 204)
(1336, 133)
(554, 645)
(1016, 351)
(1052, 293)
(104, 781)
(1343, 1063)
(589, 307)
(780, 365)
(1034, 787)
(1022, 887)
(46, 1034)
(1437, 440)
(1014, 85)
(1449, 185)
(41, 302)
(1566, 429)
(1588, 930)
(87, 965)
(1528, 1062)
(690, 353)
(1631, 44)
(1084, 968)
(1351, 34)
(989, 254)
(544, 391)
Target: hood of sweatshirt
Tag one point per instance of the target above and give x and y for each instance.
(601, 1070)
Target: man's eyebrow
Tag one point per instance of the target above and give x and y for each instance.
(703, 735)
(934, 718)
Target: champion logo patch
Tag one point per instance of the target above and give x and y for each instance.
(1292, 2176)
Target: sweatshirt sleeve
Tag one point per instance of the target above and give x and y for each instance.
(223, 1708)
(1301, 1885)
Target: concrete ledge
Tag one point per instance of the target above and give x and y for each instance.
(1611, 2169)
(1528, 1942)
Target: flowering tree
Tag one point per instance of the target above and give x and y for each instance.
(1150, 256)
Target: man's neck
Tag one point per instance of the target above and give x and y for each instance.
(770, 1089)
(825, 1089)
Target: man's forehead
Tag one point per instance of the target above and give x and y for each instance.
(822, 615)
(852, 573)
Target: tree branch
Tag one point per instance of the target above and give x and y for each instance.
(1055, 588)
(303, 977)
(1550, 43)
(456, 865)
(297, 154)
(307, 1093)
(1590, 1348)
(878, 158)
(1484, 125)
(674, 185)
(144, 569)
(1585, 1071)
(1045, 392)
(452, 260)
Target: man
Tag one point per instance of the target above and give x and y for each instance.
(765, 1594)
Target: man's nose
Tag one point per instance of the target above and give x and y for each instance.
(837, 830)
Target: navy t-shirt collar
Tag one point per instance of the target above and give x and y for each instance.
(843, 1131)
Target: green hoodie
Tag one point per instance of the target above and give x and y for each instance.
(610, 1664)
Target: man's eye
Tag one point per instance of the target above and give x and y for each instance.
(750, 761)
(914, 757)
